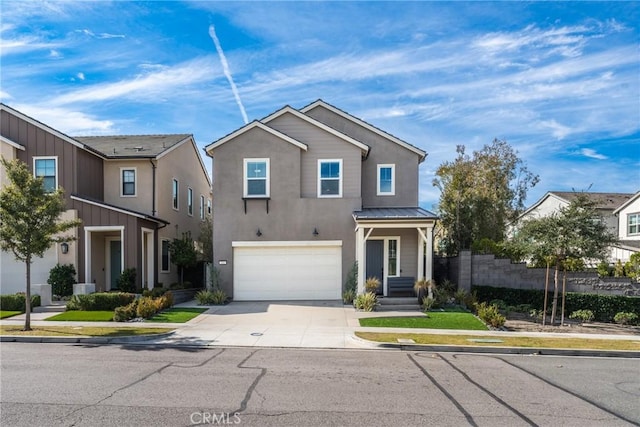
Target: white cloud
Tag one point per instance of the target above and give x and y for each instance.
(101, 35)
(80, 76)
(68, 121)
(588, 152)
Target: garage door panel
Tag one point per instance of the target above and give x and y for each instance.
(292, 272)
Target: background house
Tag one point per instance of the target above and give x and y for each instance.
(303, 194)
(617, 210)
(132, 193)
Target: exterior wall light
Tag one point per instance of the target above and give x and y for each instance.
(64, 247)
(315, 232)
(258, 233)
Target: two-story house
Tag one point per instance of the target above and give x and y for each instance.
(628, 216)
(303, 194)
(133, 194)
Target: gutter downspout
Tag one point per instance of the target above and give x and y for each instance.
(153, 187)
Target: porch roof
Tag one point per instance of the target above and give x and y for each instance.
(393, 214)
(109, 206)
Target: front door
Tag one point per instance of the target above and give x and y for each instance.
(115, 267)
(375, 262)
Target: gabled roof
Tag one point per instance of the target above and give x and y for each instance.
(12, 143)
(411, 213)
(120, 209)
(320, 103)
(604, 201)
(627, 203)
(288, 110)
(254, 124)
(133, 146)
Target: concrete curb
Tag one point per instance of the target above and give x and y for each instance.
(531, 351)
(84, 340)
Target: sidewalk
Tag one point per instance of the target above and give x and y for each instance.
(321, 324)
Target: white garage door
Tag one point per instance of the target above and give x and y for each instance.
(287, 271)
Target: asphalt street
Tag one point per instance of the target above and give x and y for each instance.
(83, 385)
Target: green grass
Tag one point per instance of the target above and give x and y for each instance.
(6, 313)
(435, 320)
(177, 315)
(81, 331)
(83, 316)
(526, 342)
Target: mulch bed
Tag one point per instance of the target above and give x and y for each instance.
(523, 323)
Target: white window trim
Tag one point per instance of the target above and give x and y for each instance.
(46, 158)
(135, 182)
(637, 224)
(245, 179)
(175, 206)
(168, 256)
(330, 196)
(393, 180)
(202, 214)
(189, 201)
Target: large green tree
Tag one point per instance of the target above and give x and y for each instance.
(576, 232)
(30, 220)
(480, 194)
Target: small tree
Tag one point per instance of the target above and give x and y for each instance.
(183, 253)
(30, 220)
(576, 232)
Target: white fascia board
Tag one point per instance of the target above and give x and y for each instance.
(366, 125)
(12, 143)
(308, 119)
(285, 243)
(255, 124)
(627, 203)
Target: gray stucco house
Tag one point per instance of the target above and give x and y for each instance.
(302, 194)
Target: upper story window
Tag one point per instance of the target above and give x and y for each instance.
(201, 207)
(209, 206)
(256, 178)
(330, 178)
(633, 223)
(190, 201)
(47, 169)
(128, 182)
(174, 190)
(386, 180)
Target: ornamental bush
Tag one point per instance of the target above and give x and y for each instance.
(366, 301)
(61, 279)
(625, 318)
(107, 301)
(490, 314)
(16, 302)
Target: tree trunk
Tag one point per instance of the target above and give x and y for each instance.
(564, 292)
(546, 293)
(27, 302)
(555, 295)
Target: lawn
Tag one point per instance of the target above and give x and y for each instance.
(502, 341)
(435, 320)
(6, 313)
(177, 315)
(80, 331)
(83, 316)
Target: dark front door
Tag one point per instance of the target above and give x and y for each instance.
(115, 257)
(375, 261)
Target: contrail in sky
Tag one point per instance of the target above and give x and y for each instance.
(227, 72)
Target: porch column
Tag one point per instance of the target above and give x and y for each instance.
(421, 241)
(429, 267)
(360, 250)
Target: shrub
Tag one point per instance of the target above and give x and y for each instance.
(366, 301)
(351, 283)
(470, 301)
(603, 269)
(168, 299)
(625, 318)
(583, 315)
(126, 313)
(61, 279)
(146, 307)
(491, 315)
(459, 296)
(158, 291)
(348, 296)
(427, 303)
(440, 297)
(214, 297)
(371, 284)
(127, 280)
(17, 302)
(499, 303)
(107, 301)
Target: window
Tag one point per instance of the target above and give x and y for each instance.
(330, 178)
(386, 180)
(392, 269)
(256, 177)
(174, 190)
(201, 207)
(164, 264)
(128, 179)
(190, 201)
(633, 224)
(209, 206)
(47, 169)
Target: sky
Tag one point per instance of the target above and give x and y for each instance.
(559, 81)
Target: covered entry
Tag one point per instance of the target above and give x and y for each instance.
(296, 270)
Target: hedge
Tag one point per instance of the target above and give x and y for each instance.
(16, 302)
(604, 307)
(107, 301)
